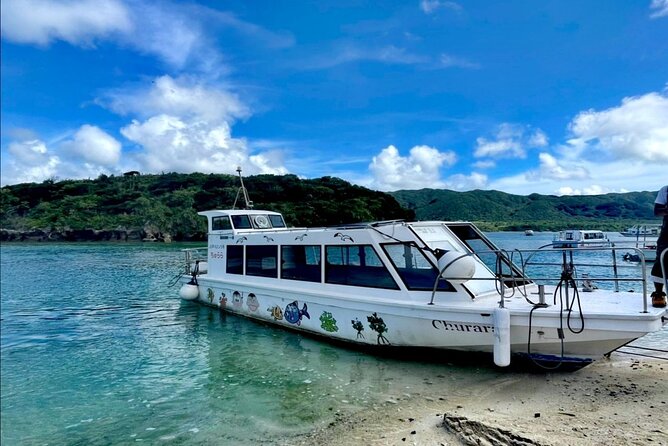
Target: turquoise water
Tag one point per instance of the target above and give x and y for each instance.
(97, 349)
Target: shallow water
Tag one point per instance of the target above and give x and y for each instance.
(97, 349)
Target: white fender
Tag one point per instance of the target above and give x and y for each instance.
(459, 267)
(501, 317)
(189, 292)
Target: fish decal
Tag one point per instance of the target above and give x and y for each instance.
(294, 315)
(376, 324)
(327, 322)
(222, 301)
(276, 312)
(252, 303)
(237, 299)
(210, 294)
(359, 326)
(241, 239)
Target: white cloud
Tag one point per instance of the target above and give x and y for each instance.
(484, 164)
(76, 22)
(185, 126)
(170, 31)
(447, 61)
(637, 130)
(660, 9)
(511, 141)
(170, 143)
(462, 182)
(551, 168)
(594, 189)
(29, 161)
(420, 169)
(185, 97)
(431, 6)
(94, 146)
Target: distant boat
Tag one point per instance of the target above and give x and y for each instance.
(528, 232)
(580, 238)
(642, 231)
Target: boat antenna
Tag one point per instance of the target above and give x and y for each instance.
(242, 189)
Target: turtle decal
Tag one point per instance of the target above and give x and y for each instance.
(327, 322)
(376, 324)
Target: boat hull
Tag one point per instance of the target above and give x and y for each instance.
(390, 327)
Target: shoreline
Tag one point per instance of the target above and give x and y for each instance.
(613, 402)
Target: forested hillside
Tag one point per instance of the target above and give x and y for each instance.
(166, 206)
(496, 210)
(134, 207)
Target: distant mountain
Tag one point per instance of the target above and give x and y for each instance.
(495, 210)
(162, 207)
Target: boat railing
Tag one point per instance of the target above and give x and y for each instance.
(193, 257)
(514, 269)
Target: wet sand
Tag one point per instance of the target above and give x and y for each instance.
(613, 402)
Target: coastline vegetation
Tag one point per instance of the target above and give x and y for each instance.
(165, 206)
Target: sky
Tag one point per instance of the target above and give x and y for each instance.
(564, 97)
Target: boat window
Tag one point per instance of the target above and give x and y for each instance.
(417, 272)
(261, 222)
(241, 222)
(357, 265)
(235, 259)
(262, 261)
(220, 223)
(277, 221)
(490, 255)
(301, 262)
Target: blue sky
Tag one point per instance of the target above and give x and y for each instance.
(554, 97)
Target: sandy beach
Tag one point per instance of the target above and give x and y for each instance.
(616, 401)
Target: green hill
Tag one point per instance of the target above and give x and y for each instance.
(132, 207)
(166, 206)
(494, 210)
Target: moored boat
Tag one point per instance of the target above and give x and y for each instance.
(580, 238)
(640, 231)
(395, 285)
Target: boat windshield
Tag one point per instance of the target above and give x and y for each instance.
(489, 253)
(416, 271)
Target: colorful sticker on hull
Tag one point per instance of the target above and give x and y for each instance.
(237, 299)
(327, 322)
(210, 294)
(252, 303)
(376, 324)
(222, 301)
(276, 312)
(294, 315)
(359, 326)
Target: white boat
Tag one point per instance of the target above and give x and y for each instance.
(433, 287)
(528, 232)
(642, 231)
(580, 238)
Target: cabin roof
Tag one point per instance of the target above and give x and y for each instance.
(221, 212)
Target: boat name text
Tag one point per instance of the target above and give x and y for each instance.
(453, 326)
